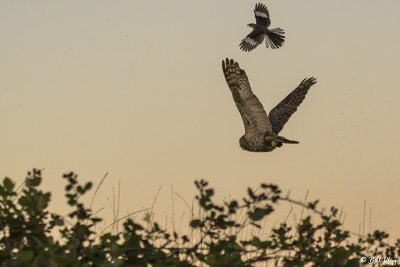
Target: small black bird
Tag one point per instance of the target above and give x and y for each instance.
(274, 37)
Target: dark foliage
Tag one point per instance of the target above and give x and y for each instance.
(31, 235)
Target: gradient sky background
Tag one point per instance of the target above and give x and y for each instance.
(136, 89)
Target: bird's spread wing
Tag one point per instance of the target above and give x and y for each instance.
(254, 117)
(252, 40)
(280, 114)
(262, 15)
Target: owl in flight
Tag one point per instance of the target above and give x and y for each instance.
(261, 131)
(273, 37)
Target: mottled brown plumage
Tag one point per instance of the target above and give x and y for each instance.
(261, 132)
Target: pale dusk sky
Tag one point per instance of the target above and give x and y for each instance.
(136, 89)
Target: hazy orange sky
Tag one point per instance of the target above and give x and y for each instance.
(136, 89)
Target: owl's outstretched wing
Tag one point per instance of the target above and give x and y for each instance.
(254, 117)
(280, 114)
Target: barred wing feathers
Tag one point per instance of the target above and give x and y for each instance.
(254, 117)
(280, 114)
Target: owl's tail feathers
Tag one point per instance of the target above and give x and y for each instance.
(277, 141)
(281, 139)
(275, 38)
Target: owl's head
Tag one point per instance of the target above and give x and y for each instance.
(244, 144)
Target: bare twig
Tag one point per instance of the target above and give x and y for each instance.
(116, 221)
(97, 189)
(173, 209)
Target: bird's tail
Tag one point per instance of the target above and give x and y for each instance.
(281, 139)
(277, 141)
(275, 38)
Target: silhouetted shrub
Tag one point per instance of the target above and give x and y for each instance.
(31, 235)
